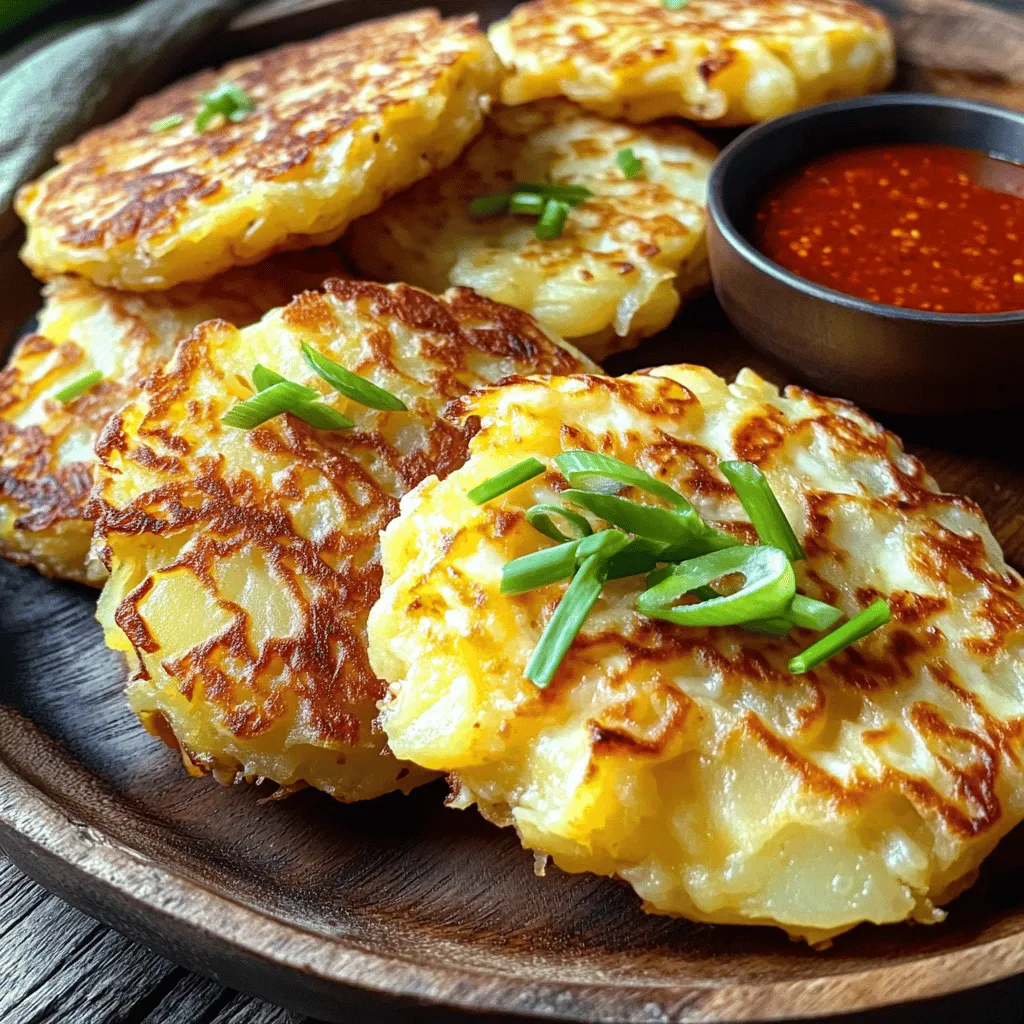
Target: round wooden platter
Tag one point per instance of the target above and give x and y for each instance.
(401, 905)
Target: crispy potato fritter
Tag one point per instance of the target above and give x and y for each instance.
(727, 62)
(46, 446)
(685, 760)
(625, 258)
(337, 125)
(244, 562)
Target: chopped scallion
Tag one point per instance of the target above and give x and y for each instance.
(539, 517)
(552, 220)
(650, 521)
(263, 377)
(229, 100)
(805, 611)
(568, 619)
(321, 416)
(488, 206)
(506, 480)
(606, 544)
(760, 503)
(349, 384)
(629, 163)
(770, 627)
(875, 615)
(674, 5)
(527, 202)
(683, 533)
(79, 387)
(166, 123)
(539, 569)
(284, 396)
(769, 586)
(571, 195)
(581, 468)
(639, 556)
(659, 575)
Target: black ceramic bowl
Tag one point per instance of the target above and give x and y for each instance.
(883, 357)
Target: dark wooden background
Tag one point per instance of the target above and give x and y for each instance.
(56, 964)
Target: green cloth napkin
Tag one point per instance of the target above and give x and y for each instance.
(83, 79)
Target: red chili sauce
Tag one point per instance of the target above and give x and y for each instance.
(926, 227)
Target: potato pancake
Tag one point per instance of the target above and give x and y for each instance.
(46, 446)
(726, 62)
(244, 562)
(625, 257)
(337, 125)
(688, 761)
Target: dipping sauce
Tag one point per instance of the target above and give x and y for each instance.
(926, 227)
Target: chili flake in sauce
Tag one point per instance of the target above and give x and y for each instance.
(926, 227)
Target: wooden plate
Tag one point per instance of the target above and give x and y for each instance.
(324, 907)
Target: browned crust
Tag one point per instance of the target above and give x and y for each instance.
(970, 746)
(222, 511)
(122, 183)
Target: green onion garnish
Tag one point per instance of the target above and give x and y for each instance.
(263, 377)
(674, 5)
(351, 385)
(875, 615)
(571, 195)
(527, 202)
(265, 405)
(769, 627)
(506, 480)
(606, 543)
(589, 470)
(760, 503)
(539, 517)
(650, 521)
(488, 206)
(539, 569)
(659, 575)
(629, 163)
(542, 200)
(79, 387)
(571, 613)
(640, 555)
(683, 533)
(279, 397)
(552, 220)
(768, 588)
(805, 611)
(581, 468)
(321, 416)
(227, 99)
(165, 123)
(565, 624)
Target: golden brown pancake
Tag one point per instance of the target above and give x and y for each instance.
(46, 446)
(626, 258)
(244, 562)
(338, 124)
(688, 761)
(724, 62)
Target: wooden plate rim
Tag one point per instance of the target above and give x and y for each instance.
(100, 875)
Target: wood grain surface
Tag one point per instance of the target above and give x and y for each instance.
(363, 911)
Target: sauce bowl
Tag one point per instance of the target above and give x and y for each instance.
(888, 358)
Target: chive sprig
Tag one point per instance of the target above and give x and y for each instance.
(276, 394)
(548, 202)
(78, 387)
(687, 561)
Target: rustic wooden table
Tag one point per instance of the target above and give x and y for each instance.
(56, 964)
